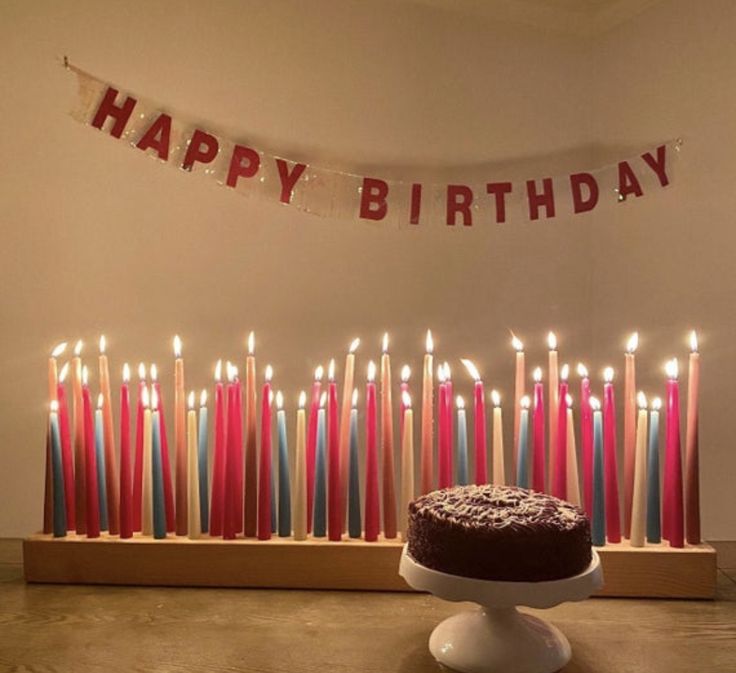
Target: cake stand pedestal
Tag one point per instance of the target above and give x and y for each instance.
(497, 638)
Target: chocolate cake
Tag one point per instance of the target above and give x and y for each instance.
(500, 533)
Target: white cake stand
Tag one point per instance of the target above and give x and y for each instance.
(497, 638)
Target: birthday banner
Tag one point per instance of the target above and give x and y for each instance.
(472, 199)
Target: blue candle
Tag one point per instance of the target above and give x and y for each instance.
(654, 533)
(204, 501)
(522, 451)
(284, 478)
(159, 508)
(462, 443)
(57, 472)
(100, 458)
(274, 524)
(320, 487)
(599, 506)
(354, 522)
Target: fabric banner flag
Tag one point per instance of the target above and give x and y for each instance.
(473, 199)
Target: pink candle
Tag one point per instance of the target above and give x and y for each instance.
(138, 465)
(519, 391)
(165, 459)
(479, 420)
(372, 514)
(93, 502)
(554, 404)
(405, 375)
(610, 467)
(312, 442)
(250, 509)
(630, 416)
(673, 508)
(443, 480)
(217, 507)
(427, 457)
(539, 457)
(67, 458)
(264, 463)
(559, 477)
(692, 470)
(238, 460)
(229, 517)
(448, 423)
(334, 504)
(586, 438)
(126, 505)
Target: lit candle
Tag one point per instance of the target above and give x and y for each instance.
(284, 476)
(165, 461)
(630, 429)
(673, 509)
(598, 527)
(639, 493)
(312, 443)
(462, 443)
(98, 441)
(147, 475)
(449, 434)
(126, 505)
(111, 472)
(90, 463)
(345, 411)
(522, 461)
(538, 450)
(554, 403)
(519, 391)
(334, 506)
(138, 467)
(180, 439)
(586, 438)
(264, 473)
(372, 514)
(57, 352)
(250, 515)
(67, 456)
(613, 521)
(426, 458)
(479, 419)
(80, 487)
(234, 435)
(692, 469)
(405, 376)
(444, 479)
(219, 459)
(559, 476)
(573, 484)
(407, 464)
(354, 521)
(204, 513)
(57, 468)
(387, 445)
(654, 533)
(320, 472)
(499, 469)
(193, 515)
(300, 472)
(159, 506)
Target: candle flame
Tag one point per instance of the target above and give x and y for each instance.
(100, 401)
(406, 399)
(495, 398)
(141, 371)
(322, 400)
(568, 401)
(656, 404)
(517, 343)
(177, 346)
(441, 373)
(405, 373)
(595, 404)
(672, 368)
(608, 374)
(331, 370)
(126, 372)
(354, 345)
(384, 343)
(319, 373)
(641, 400)
(251, 343)
(472, 369)
(236, 371)
(58, 349)
(229, 371)
(54, 406)
(78, 348)
(302, 399)
(525, 402)
(448, 372)
(63, 373)
(268, 375)
(103, 344)
(279, 400)
(693, 341)
(371, 371)
(218, 371)
(154, 399)
(564, 372)
(552, 341)
(154, 372)
(537, 375)
(203, 398)
(633, 343)
(145, 398)
(85, 375)
(354, 400)
(582, 370)
(429, 343)
(460, 402)
(190, 400)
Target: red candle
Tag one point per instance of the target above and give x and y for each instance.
(479, 420)
(538, 453)
(165, 460)
(673, 506)
(90, 461)
(238, 460)
(126, 506)
(443, 479)
(217, 507)
(692, 469)
(334, 505)
(586, 437)
(67, 458)
(519, 388)
(250, 510)
(312, 442)
(405, 375)
(138, 466)
(229, 525)
(610, 467)
(372, 514)
(559, 478)
(264, 473)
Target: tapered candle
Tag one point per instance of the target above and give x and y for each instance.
(692, 459)
(573, 484)
(180, 439)
(554, 402)
(100, 458)
(193, 515)
(300, 472)
(264, 463)
(372, 514)
(449, 434)
(613, 520)
(355, 527)
(345, 410)
(319, 527)
(404, 388)
(48, 502)
(479, 420)
(92, 476)
(444, 478)
(407, 465)
(334, 490)
(80, 472)
(126, 503)
(219, 459)
(538, 451)
(427, 456)
(519, 391)
(559, 476)
(499, 468)
(284, 524)
(598, 524)
(202, 467)
(159, 505)
(250, 513)
(387, 445)
(165, 456)
(147, 476)
(111, 470)
(586, 438)
(234, 433)
(138, 465)
(53, 375)
(630, 429)
(673, 506)
(522, 451)
(654, 518)
(311, 448)
(639, 492)
(462, 443)
(67, 455)
(57, 467)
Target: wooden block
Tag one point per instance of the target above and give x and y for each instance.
(656, 571)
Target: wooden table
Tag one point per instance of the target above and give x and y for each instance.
(85, 628)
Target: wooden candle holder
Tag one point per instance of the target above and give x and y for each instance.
(654, 571)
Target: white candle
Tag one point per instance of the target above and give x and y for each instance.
(499, 471)
(573, 484)
(147, 490)
(407, 464)
(639, 492)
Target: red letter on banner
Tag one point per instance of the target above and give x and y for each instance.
(546, 198)
(499, 191)
(577, 180)
(157, 137)
(627, 181)
(109, 109)
(373, 204)
(202, 148)
(288, 180)
(459, 200)
(658, 164)
(244, 162)
(416, 203)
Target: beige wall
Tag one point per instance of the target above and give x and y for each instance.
(95, 238)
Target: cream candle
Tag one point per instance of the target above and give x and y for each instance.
(80, 487)
(407, 464)
(573, 484)
(345, 410)
(519, 391)
(639, 492)
(692, 459)
(111, 471)
(499, 470)
(479, 419)
(387, 444)
(180, 440)
(553, 400)
(426, 458)
(630, 424)
(147, 476)
(300, 472)
(194, 529)
(250, 506)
